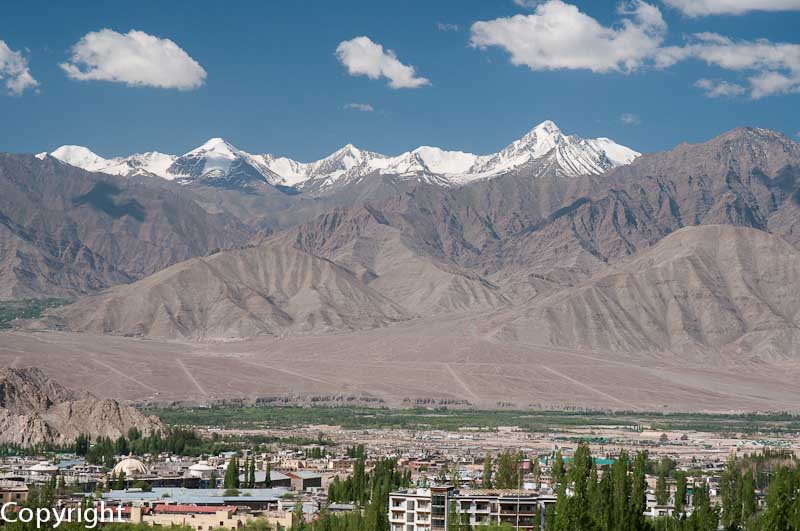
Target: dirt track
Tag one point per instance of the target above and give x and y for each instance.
(454, 360)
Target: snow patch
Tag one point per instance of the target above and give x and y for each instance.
(570, 155)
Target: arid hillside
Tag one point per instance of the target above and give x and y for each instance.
(701, 290)
(34, 409)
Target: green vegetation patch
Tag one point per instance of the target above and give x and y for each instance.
(11, 310)
(233, 417)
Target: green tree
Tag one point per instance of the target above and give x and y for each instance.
(620, 492)
(359, 481)
(731, 492)
(268, 477)
(231, 480)
(557, 470)
(704, 517)
(39, 496)
(251, 480)
(82, 444)
(748, 496)
(298, 520)
(662, 491)
(119, 484)
(638, 500)
(680, 492)
(486, 480)
(453, 520)
(562, 520)
(121, 446)
(781, 497)
(495, 526)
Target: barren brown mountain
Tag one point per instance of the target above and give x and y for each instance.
(65, 231)
(684, 260)
(746, 177)
(414, 274)
(712, 289)
(269, 288)
(36, 410)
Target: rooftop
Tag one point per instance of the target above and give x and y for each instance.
(195, 509)
(196, 496)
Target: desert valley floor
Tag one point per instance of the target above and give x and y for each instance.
(452, 360)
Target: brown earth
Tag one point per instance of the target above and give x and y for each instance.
(34, 409)
(449, 359)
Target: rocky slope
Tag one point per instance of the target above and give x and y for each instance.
(66, 232)
(36, 410)
(406, 270)
(746, 177)
(270, 288)
(713, 289)
(389, 247)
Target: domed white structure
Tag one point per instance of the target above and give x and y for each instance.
(43, 468)
(131, 467)
(201, 470)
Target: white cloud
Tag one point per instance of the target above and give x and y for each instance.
(528, 3)
(443, 26)
(134, 58)
(363, 107)
(773, 68)
(629, 118)
(719, 89)
(362, 57)
(558, 35)
(699, 8)
(14, 70)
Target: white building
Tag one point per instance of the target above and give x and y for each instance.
(428, 509)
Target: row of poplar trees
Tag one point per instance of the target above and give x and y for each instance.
(616, 499)
(369, 492)
(232, 481)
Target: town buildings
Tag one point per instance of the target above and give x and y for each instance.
(13, 491)
(430, 509)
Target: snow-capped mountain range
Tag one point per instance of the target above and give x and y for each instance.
(218, 162)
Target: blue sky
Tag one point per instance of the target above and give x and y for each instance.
(273, 81)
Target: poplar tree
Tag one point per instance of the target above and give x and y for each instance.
(731, 494)
(252, 478)
(620, 491)
(486, 480)
(558, 468)
(268, 477)
(638, 500)
(748, 497)
(662, 491)
(231, 480)
(680, 492)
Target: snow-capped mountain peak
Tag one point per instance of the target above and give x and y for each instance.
(571, 155)
(80, 156)
(216, 145)
(445, 162)
(151, 163)
(218, 162)
(216, 155)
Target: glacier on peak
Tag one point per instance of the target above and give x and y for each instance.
(570, 155)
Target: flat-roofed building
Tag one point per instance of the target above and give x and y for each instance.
(305, 480)
(13, 491)
(428, 509)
